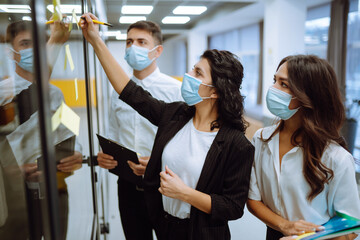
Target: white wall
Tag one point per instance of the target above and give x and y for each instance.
(284, 31)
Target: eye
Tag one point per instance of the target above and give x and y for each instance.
(197, 73)
(142, 42)
(284, 85)
(128, 42)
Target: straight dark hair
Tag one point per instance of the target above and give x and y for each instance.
(151, 27)
(15, 28)
(313, 82)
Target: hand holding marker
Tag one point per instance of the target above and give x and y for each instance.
(94, 21)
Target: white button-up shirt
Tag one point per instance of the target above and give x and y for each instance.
(284, 188)
(129, 128)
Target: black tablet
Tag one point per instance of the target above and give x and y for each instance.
(62, 150)
(121, 154)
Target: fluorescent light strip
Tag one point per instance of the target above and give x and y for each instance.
(66, 8)
(136, 9)
(112, 33)
(26, 18)
(189, 10)
(131, 19)
(15, 8)
(122, 36)
(175, 20)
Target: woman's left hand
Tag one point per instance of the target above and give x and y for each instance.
(171, 185)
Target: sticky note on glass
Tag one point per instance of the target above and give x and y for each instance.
(75, 18)
(68, 57)
(57, 11)
(66, 116)
(76, 89)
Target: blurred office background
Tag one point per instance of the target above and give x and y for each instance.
(259, 32)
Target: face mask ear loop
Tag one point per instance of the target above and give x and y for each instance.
(153, 50)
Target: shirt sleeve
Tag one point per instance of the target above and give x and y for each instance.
(343, 188)
(254, 191)
(230, 204)
(142, 102)
(113, 121)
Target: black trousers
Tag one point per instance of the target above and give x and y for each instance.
(134, 217)
(272, 234)
(173, 228)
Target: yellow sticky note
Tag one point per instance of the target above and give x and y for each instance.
(68, 56)
(67, 117)
(56, 120)
(65, 62)
(75, 18)
(76, 89)
(70, 26)
(70, 119)
(57, 11)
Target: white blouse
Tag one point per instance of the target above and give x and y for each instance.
(284, 188)
(185, 155)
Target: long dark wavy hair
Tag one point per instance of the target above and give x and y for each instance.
(313, 82)
(227, 74)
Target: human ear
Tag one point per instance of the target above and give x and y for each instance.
(159, 50)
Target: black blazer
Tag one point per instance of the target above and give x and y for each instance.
(225, 175)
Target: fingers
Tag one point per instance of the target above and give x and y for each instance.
(138, 169)
(143, 162)
(102, 155)
(108, 164)
(93, 16)
(301, 227)
(106, 161)
(168, 171)
(69, 167)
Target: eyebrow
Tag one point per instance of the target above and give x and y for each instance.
(281, 78)
(199, 69)
(132, 39)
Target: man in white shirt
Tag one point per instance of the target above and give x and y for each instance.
(127, 127)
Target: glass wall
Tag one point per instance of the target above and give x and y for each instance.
(47, 105)
(317, 29)
(353, 69)
(245, 43)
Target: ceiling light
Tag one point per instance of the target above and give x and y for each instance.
(175, 20)
(189, 10)
(26, 18)
(136, 9)
(112, 33)
(122, 36)
(66, 8)
(131, 19)
(15, 8)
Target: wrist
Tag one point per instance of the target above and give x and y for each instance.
(97, 42)
(186, 194)
(282, 225)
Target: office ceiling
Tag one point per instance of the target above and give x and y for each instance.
(163, 8)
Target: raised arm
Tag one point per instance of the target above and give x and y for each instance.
(113, 70)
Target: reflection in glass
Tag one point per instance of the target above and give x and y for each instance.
(316, 30)
(21, 180)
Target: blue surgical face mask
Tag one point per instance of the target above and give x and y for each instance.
(138, 58)
(190, 90)
(26, 60)
(278, 102)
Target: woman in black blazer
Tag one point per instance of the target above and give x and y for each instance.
(212, 118)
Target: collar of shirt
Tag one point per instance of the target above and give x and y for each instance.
(146, 82)
(273, 145)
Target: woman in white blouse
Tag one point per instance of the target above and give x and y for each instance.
(302, 173)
